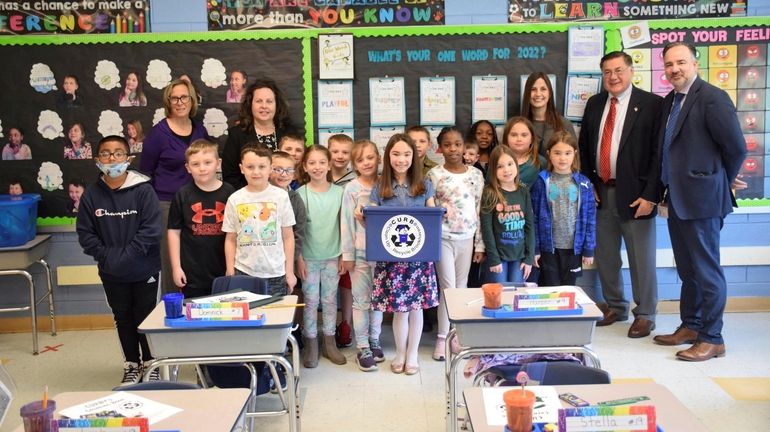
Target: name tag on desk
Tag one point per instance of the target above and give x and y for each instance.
(217, 311)
(608, 419)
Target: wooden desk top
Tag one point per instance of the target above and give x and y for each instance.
(671, 414)
(211, 410)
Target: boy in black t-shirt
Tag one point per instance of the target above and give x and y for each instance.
(195, 223)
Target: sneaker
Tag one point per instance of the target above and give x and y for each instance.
(132, 373)
(342, 335)
(376, 349)
(281, 378)
(365, 360)
(456, 347)
(155, 374)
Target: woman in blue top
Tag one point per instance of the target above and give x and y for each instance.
(404, 288)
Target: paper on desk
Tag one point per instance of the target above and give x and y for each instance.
(580, 296)
(546, 409)
(232, 297)
(121, 404)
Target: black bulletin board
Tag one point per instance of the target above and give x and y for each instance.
(280, 59)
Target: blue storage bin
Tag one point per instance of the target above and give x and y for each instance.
(18, 219)
(404, 234)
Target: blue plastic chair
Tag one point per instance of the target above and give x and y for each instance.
(545, 373)
(158, 385)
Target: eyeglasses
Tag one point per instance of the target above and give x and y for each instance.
(179, 99)
(608, 73)
(284, 171)
(118, 155)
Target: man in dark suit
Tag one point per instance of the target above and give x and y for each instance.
(619, 154)
(701, 149)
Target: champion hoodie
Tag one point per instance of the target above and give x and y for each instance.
(121, 228)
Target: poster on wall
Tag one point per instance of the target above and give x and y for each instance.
(734, 59)
(590, 10)
(74, 17)
(56, 110)
(260, 15)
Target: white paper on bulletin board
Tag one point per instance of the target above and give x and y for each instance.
(579, 90)
(381, 135)
(437, 101)
(387, 103)
(335, 56)
(585, 49)
(490, 98)
(335, 104)
(325, 134)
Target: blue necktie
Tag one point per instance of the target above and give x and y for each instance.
(670, 126)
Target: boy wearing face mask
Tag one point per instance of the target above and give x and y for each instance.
(119, 224)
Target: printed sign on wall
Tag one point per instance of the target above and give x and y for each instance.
(538, 10)
(263, 14)
(74, 17)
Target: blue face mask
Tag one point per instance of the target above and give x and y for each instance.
(114, 170)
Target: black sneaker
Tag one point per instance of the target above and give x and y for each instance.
(132, 373)
(365, 360)
(155, 374)
(376, 349)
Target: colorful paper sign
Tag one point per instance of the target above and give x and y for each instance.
(74, 17)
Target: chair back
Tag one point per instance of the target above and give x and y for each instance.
(551, 373)
(241, 283)
(7, 392)
(158, 385)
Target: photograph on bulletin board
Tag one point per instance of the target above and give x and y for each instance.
(734, 59)
(58, 109)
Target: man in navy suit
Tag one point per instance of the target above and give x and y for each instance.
(618, 147)
(702, 149)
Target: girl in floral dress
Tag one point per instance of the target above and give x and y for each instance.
(404, 288)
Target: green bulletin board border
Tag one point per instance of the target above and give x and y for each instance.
(612, 43)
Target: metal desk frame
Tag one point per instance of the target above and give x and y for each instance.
(26, 256)
(452, 362)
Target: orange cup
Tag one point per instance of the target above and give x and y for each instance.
(493, 295)
(518, 409)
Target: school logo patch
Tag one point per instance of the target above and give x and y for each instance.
(403, 236)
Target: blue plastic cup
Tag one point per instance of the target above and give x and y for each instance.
(173, 304)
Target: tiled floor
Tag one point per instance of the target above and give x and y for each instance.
(728, 394)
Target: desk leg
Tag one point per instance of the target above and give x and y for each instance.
(33, 310)
(49, 294)
(295, 377)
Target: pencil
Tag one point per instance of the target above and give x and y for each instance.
(277, 306)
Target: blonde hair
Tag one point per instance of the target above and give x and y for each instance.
(358, 150)
(190, 90)
(199, 146)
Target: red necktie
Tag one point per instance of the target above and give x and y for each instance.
(605, 168)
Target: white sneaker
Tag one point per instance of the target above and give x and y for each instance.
(132, 373)
(155, 374)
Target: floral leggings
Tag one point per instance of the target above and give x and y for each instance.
(320, 286)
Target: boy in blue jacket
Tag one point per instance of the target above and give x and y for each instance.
(119, 224)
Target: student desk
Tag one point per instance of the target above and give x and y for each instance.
(14, 261)
(671, 414)
(211, 410)
(178, 346)
(532, 335)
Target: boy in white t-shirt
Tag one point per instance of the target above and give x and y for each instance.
(258, 222)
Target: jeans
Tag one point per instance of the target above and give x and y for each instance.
(511, 273)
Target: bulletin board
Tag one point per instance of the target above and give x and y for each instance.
(32, 99)
(460, 56)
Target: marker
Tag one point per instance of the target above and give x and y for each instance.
(626, 401)
(278, 306)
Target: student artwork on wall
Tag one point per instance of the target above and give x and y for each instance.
(734, 59)
(62, 102)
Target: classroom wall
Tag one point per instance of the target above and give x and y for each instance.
(742, 229)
